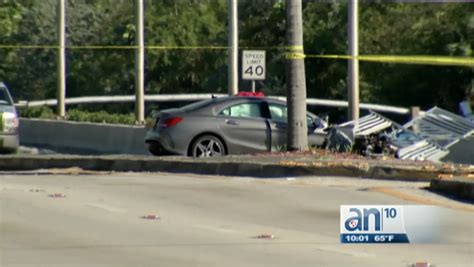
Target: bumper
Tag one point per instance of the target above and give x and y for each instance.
(160, 144)
(9, 142)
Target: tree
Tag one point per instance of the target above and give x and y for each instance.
(416, 29)
(385, 28)
(186, 23)
(296, 83)
(31, 73)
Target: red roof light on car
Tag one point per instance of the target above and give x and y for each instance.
(256, 94)
(172, 121)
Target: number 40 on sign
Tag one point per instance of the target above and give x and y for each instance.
(253, 65)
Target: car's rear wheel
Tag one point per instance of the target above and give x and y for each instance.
(207, 146)
(155, 149)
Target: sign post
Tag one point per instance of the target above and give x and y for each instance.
(253, 66)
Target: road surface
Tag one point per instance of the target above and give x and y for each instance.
(208, 221)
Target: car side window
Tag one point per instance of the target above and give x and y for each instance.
(278, 113)
(244, 110)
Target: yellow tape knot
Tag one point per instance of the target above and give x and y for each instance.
(293, 55)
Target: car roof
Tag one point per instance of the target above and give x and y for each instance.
(215, 105)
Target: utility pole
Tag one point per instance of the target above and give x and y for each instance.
(61, 93)
(233, 48)
(139, 64)
(353, 68)
(297, 134)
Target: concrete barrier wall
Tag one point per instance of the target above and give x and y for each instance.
(75, 137)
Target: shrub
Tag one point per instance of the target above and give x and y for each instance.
(78, 115)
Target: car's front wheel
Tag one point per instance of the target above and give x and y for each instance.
(207, 146)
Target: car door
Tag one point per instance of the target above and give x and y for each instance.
(278, 125)
(244, 128)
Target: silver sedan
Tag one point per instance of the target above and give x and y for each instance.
(226, 125)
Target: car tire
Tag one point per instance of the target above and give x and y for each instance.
(155, 149)
(207, 146)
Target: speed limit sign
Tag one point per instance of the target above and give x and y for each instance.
(253, 65)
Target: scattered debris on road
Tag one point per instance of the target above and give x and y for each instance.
(36, 190)
(264, 236)
(151, 217)
(421, 264)
(57, 195)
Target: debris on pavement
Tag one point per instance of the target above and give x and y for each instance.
(57, 195)
(151, 217)
(264, 236)
(36, 190)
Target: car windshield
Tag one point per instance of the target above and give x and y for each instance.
(5, 98)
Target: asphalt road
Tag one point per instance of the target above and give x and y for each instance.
(208, 221)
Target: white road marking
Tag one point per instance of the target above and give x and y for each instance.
(105, 207)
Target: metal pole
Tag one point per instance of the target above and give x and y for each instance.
(61, 93)
(233, 48)
(353, 68)
(253, 86)
(140, 64)
(297, 135)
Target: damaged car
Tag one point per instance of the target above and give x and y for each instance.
(227, 125)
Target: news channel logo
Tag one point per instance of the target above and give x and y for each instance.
(389, 224)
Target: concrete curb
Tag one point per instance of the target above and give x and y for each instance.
(169, 164)
(246, 166)
(231, 166)
(461, 188)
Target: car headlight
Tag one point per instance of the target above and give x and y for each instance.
(10, 122)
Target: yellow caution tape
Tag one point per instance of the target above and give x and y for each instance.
(423, 60)
(294, 53)
(29, 46)
(291, 55)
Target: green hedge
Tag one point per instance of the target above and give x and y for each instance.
(78, 115)
(43, 112)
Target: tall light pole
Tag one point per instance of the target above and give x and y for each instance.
(353, 64)
(61, 90)
(233, 77)
(139, 64)
(297, 134)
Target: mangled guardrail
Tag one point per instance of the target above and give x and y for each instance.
(427, 137)
(441, 127)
